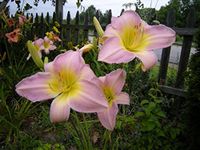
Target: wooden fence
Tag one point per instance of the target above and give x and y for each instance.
(41, 25)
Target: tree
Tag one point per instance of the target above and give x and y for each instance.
(181, 7)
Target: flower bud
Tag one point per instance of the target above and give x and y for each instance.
(86, 48)
(34, 54)
(98, 27)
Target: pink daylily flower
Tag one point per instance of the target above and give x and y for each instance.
(111, 86)
(22, 20)
(69, 81)
(47, 45)
(13, 37)
(128, 36)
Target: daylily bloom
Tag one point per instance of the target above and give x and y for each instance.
(111, 86)
(47, 45)
(67, 79)
(52, 36)
(128, 36)
(22, 20)
(10, 22)
(13, 36)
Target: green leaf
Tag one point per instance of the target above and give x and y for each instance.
(143, 102)
(139, 114)
(150, 108)
(161, 114)
(148, 125)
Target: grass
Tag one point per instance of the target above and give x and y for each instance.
(171, 74)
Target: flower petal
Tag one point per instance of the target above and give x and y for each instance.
(116, 80)
(60, 110)
(128, 18)
(108, 117)
(87, 73)
(71, 60)
(49, 67)
(159, 36)
(35, 87)
(110, 32)
(113, 52)
(123, 98)
(89, 99)
(148, 59)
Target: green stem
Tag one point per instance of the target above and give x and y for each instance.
(106, 138)
(9, 58)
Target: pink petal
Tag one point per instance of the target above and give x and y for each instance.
(159, 36)
(60, 110)
(49, 67)
(35, 87)
(110, 32)
(102, 79)
(108, 117)
(38, 42)
(122, 98)
(113, 52)
(128, 18)
(89, 99)
(148, 59)
(52, 47)
(71, 60)
(116, 80)
(87, 73)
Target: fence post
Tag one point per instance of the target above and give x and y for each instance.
(54, 17)
(47, 21)
(86, 26)
(68, 34)
(42, 27)
(166, 51)
(32, 27)
(76, 28)
(109, 16)
(185, 51)
(36, 24)
(59, 9)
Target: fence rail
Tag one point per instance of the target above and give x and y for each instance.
(42, 25)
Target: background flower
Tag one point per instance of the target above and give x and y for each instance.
(13, 37)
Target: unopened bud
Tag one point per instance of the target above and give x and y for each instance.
(34, 54)
(46, 60)
(86, 48)
(98, 27)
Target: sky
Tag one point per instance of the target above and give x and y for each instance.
(103, 5)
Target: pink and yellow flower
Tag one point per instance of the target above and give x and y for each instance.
(69, 81)
(13, 37)
(129, 37)
(47, 45)
(111, 86)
